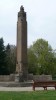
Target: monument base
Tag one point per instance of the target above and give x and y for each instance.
(16, 84)
(16, 77)
(20, 78)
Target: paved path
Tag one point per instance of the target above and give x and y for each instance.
(21, 88)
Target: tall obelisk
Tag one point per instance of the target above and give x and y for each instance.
(21, 64)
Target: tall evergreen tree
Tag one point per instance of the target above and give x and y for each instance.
(2, 57)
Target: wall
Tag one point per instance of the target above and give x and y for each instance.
(6, 78)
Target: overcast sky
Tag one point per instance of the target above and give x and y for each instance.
(41, 18)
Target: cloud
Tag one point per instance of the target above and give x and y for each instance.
(41, 18)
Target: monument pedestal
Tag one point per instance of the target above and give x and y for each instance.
(16, 77)
(19, 77)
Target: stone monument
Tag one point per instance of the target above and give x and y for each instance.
(21, 63)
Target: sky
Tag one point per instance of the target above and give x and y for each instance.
(41, 20)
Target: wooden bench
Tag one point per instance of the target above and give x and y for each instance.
(44, 84)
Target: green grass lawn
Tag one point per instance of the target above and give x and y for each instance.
(37, 95)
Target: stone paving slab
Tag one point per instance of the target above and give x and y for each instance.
(23, 88)
(16, 89)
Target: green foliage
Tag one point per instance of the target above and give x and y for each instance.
(7, 58)
(11, 58)
(32, 62)
(43, 61)
(3, 69)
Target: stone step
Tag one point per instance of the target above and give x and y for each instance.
(15, 84)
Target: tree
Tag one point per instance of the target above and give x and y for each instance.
(11, 58)
(3, 69)
(44, 55)
(32, 62)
